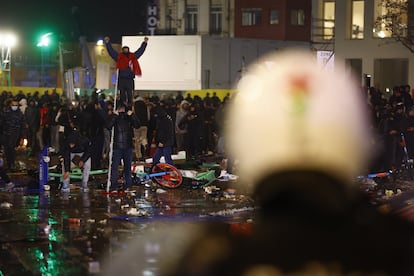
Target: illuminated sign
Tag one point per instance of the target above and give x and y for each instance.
(152, 13)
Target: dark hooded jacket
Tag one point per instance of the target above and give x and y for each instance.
(12, 123)
(165, 131)
(123, 125)
(82, 145)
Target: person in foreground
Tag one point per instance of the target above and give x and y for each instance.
(128, 66)
(310, 137)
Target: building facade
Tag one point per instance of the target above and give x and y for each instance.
(285, 20)
(373, 37)
(196, 17)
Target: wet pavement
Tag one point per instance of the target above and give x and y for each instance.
(91, 233)
(81, 233)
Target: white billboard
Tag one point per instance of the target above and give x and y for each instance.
(169, 62)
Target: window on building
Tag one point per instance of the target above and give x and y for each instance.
(390, 18)
(355, 66)
(251, 17)
(169, 21)
(357, 20)
(216, 19)
(192, 20)
(274, 17)
(297, 17)
(328, 19)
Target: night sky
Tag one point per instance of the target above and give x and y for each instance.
(71, 18)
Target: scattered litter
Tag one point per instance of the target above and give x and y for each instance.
(211, 189)
(94, 267)
(388, 194)
(231, 191)
(135, 168)
(21, 165)
(133, 212)
(189, 173)
(6, 205)
(225, 176)
(368, 184)
(230, 212)
(167, 207)
(104, 221)
(90, 221)
(46, 229)
(136, 212)
(399, 191)
(160, 191)
(118, 200)
(74, 221)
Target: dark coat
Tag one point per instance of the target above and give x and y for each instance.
(165, 131)
(123, 129)
(82, 144)
(32, 117)
(12, 122)
(140, 109)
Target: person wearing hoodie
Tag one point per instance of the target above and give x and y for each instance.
(123, 122)
(77, 150)
(32, 120)
(128, 66)
(12, 124)
(164, 135)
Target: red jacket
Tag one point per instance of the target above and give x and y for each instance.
(125, 61)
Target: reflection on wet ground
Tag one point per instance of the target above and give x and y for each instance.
(75, 234)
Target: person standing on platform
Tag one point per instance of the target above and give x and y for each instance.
(128, 66)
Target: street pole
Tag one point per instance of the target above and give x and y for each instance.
(61, 68)
(42, 66)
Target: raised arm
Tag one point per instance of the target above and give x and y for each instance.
(138, 53)
(111, 51)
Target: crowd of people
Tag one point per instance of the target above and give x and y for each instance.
(393, 121)
(49, 119)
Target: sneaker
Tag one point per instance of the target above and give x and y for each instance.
(9, 186)
(65, 190)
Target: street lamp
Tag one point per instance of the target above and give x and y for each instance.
(43, 43)
(7, 42)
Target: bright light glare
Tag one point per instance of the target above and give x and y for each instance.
(44, 40)
(8, 40)
(99, 42)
